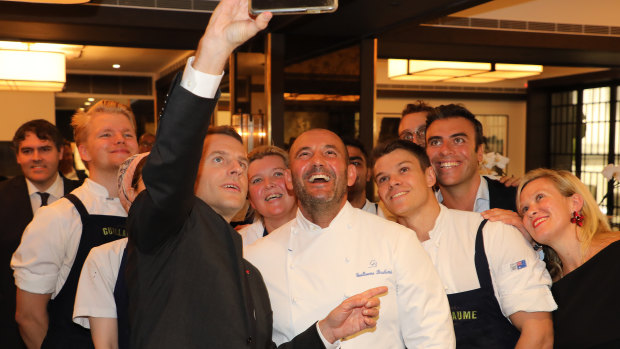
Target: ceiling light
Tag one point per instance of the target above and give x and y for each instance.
(513, 71)
(456, 71)
(474, 79)
(447, 68)
(87, 103)
(116, 66)
(91, 99)
(32, 71)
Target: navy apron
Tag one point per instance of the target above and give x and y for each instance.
(62, 332)
(477, 317)
(121, 298)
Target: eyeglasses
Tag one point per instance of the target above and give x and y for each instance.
(419, 134)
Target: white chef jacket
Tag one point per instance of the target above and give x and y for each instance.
(252, 232)
(95, 292)
(44, 258)
(309, 271)
(373, 208)
(520, 280)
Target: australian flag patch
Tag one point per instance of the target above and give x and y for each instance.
(518, 265)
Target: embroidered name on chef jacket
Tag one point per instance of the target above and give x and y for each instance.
(375, 270)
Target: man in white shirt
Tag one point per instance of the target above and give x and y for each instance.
(497, 287)
(331, 251)
(48, 261)
(38, 150)
(356, 195)
(455, 145)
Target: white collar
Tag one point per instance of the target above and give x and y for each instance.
(56, 189)
(304, 224)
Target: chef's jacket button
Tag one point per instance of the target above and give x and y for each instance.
(346, 259)
(249, 340)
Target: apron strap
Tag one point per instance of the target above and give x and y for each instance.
(482, 264)
(78, 205)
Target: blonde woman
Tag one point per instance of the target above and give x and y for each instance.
(582, 254)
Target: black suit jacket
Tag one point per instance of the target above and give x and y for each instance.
(15, 214)
(501, 196)
(189, 286)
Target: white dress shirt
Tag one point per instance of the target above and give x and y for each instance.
(483, 198)
(56, 191)
(44, 258)
(95, 292)
(309, 271)
(520, 280)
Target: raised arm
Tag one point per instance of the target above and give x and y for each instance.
(172, 167)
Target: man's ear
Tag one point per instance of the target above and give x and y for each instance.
(368, 174)
(480, 153)
(351, 174)
(288, 176)
(429, 175)
(84, 153)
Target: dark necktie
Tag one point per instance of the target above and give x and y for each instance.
(44, 197)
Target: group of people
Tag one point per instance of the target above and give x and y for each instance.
(143, 253)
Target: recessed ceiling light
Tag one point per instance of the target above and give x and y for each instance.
(91, 99)
(82, 109)
(87, 103)
(116, 66)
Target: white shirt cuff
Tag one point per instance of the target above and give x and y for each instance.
(327, 344)
(201, 84)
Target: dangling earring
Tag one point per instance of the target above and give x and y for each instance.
(577, 219)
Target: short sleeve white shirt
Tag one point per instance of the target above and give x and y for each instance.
(95, 292)
(44, 258)
(309, 271)
(520, 280)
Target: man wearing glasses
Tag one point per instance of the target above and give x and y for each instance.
(412, 126)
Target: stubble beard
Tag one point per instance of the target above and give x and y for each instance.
(316, 206)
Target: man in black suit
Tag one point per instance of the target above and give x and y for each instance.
(38, 149)
(454, 144)
(189, 286)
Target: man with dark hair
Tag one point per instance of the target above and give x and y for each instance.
(38, 149)
(412, 126)
(145, 142)
(497, 287)
(455, 146)
(356, 195)
(189, 286)
(331, 249)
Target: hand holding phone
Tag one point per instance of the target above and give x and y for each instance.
(292, 6)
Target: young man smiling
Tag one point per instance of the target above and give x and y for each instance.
(54, 246)
(454, 144)
(497, 287)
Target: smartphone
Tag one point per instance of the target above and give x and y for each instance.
(292, 6)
